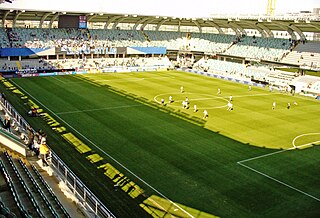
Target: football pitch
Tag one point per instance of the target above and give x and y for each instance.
(114, 132)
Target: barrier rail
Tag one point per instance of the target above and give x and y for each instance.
(88, 200)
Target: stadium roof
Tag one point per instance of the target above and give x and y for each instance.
(178, 8)
(294, 23)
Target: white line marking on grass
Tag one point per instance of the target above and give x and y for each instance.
(100, 109)
(280, 182)
(120, 80)
(241, 163)
(306, 134)
(273, 153)
(55, 77)
(264, 155)
(91, 142)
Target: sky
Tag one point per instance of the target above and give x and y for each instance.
(175, 8)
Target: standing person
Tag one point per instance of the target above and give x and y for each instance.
(249, 88)
(205, 114)
(195, 108)
(230, 106)
(162, 101)
(44, 151)
(274, 105)
(183, 104)
(181, 89)
(230, 98)
(187, 100)
(289, 105)
(170, 99)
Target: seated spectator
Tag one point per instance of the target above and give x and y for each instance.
(7, 122)
(33, 112)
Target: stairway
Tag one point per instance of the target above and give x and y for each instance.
(32, 195)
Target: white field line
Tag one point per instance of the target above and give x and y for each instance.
(306, 134)
(241, 163)
(91, 142)
(280, 182)
(119, 80)
(276, 152)
(58, 79)
(99, 109)
(265, 155)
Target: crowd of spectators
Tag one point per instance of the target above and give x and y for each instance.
(35, 141)
(102, 41)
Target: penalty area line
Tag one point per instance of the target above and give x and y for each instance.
(278, 181)
(265, 155)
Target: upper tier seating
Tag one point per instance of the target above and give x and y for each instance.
(78, 41)
(4, 41)
(305, 54)
(116, 38)
(46, 38)
(260, 48)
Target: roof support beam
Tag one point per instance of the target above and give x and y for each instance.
(141, 21)
(254, 26)
(239, 28)
(117, 22)
(111, 20)
(16, 18)
(213, 24)
(285, 27)
(90, 17)
(53, 19)
(236, 28)
(314, 25)
(161, 23)
(145, 23)
(4, 18)
(266, 29)
(297, 30)
(198, 25)
(43, 18)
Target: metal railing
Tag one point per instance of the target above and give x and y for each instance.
(88, 200)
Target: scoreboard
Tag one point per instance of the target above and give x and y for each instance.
(82, 22)
(72, 21)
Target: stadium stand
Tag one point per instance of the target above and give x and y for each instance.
(87, 50)
(261, 73)
(84, 63)
(307, 84)
(305, 54)
(32, 194)
(4, 41)
(260, 48)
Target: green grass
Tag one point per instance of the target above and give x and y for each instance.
(191, 161)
